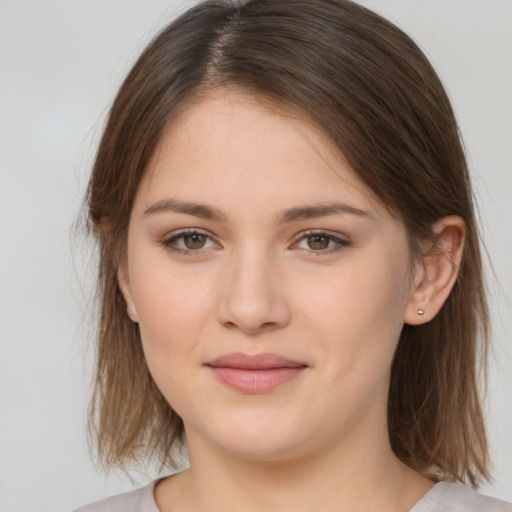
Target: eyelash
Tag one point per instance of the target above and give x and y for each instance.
(340, 243)
(167, 242)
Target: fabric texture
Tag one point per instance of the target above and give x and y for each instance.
(443, 497)
(448, 497)
(139, 500)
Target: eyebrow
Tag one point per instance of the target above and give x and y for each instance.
(197, 210)
(293, 214)
(320, 210)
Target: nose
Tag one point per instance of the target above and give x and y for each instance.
(253, 297)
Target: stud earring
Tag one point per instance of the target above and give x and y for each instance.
(420, 311)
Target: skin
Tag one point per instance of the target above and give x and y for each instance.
(254, 284)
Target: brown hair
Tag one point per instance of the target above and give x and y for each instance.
(374, 94)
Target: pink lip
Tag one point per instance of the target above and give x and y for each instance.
(255, 373)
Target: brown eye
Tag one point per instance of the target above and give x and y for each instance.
(318, 242)
(194, 241)
(321, 243)
(190, 242)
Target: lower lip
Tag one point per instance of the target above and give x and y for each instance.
(256, 381)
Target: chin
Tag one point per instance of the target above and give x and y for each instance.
(260, 438)
(263, 450)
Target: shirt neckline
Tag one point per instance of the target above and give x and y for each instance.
(417, 507)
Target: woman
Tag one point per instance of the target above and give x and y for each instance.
(290, 269)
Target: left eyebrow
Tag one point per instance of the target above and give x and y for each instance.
(320, 210)
(197, 210)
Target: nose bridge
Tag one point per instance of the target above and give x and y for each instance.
(253, 297)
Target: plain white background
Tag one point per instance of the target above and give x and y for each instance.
(60, 64)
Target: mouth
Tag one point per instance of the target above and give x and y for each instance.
(258, 373)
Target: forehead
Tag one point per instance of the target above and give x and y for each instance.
(230, 144)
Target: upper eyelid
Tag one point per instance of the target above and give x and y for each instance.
(179, 233)
(298, 236)
(338, 238)
(187, 231)
(321, 232)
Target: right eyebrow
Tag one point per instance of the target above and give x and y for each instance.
(198, 210)
(320, 210)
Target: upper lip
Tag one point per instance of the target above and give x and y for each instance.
(254, 362)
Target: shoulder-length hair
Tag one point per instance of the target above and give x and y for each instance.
(372, 92)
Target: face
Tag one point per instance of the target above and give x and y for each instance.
(269, 284)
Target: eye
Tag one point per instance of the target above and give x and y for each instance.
(321, 242)
(186, 242)
(194, 241)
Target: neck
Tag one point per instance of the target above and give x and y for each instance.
(342, 476)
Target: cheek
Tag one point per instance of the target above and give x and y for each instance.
(355, 320)
(171, 304)
(357, 314)
(360, 294)
(171, 323)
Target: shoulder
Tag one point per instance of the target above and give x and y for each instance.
(449, 497)
(139, 500)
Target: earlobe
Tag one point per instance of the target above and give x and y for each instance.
(124, 286)
(437, 270)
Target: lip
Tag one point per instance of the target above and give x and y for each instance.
(257, 373)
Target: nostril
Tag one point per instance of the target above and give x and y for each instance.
(251, 329)
(250, 299)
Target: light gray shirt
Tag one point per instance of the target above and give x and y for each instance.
(443, 497)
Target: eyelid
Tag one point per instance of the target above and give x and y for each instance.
(336, 237)
(166, 242)
(180, 233)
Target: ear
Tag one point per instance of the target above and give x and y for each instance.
(437, 270)
(124, 285)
